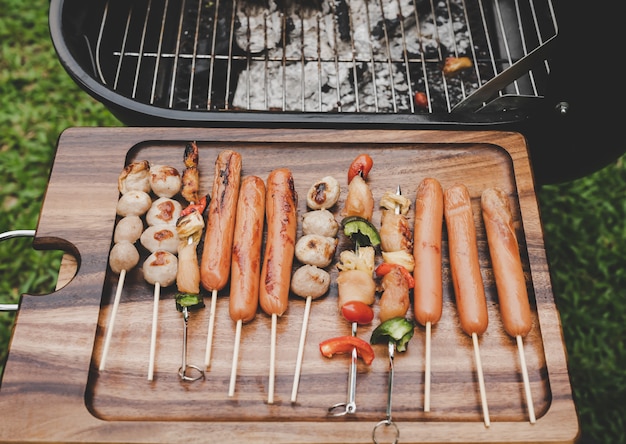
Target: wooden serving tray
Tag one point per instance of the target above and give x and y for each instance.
(52, 390)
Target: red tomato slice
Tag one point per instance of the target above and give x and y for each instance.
(357, 311)
(361, 165)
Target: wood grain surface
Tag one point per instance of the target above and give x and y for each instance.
(52, 391)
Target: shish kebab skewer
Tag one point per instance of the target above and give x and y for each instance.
(466, 277)
(134, 180)
(218, 239)
(356, 285)
(398, 263)
(281, 209)
(315, 250)
(509, 275)
(189, 227)
(246, 261)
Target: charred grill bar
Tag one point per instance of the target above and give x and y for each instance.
(362, 56)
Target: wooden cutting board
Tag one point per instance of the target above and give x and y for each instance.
(52, 390)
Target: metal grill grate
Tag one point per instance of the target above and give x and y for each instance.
(363, 56)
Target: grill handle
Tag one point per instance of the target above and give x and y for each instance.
(10, 235)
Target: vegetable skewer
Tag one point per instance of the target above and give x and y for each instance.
(355, 281)
(395, 329)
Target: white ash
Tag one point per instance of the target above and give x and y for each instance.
(299, 62)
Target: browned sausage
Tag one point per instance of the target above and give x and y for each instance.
(281, 207)
(218, 239)
(247, 241)
(464, 263)
(506, 262)
(428, 291)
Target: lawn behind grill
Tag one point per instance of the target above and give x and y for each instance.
(584, 220)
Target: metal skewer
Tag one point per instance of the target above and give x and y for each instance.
(349, 407)
(182, 371)
(388, 422)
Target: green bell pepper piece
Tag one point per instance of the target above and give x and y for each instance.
(399, 330)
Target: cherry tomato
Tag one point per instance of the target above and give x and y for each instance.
(421, 100)
(361, 165)
(357, 311)
(345, 344)
(385, 267)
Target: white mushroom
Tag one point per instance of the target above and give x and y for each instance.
(165, 181)
(164, 211)
(323, 194)
(133, 203)
(160, 237)
(321, 222)
(123, 256)
(135, 177)
(310, 281)
(128, 228)
(317, 250)
(160, 267)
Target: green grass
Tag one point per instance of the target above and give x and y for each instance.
(584, 220)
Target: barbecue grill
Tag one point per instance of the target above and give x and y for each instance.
(336, 64)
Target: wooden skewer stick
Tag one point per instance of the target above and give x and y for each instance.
(116, 303)
(427, 368)
(303, 331)
(155, 316)
(529, 398)
(233, 370)
(209, 339)
(481, 380)
(270, 389)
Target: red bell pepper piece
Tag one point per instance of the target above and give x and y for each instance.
(345, 344)
(385, 268)
(361, 165)
(199, 207)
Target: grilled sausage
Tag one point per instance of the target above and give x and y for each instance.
(428, 291)
(218, 238)
(506, 262)
(464, 263)
(246, 258)
(281, 215)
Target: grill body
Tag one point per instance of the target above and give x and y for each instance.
(321, 63)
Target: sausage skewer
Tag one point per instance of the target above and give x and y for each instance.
(509, 275)
(218, 240)
(466, 277)
(428, 291)
(281, 207)
(246, 261)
